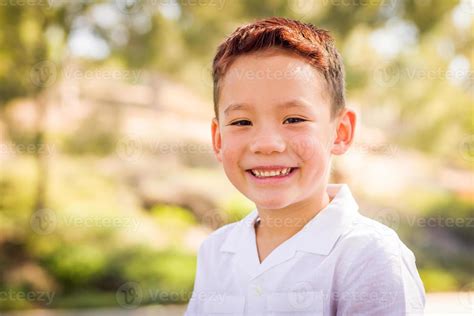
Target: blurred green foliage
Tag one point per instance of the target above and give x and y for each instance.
(166, 271)
(438, 280)
(439, 232)
(460, 213)
(86, 264)
(409, 95)
(173, 217)
(236, 208)
(74, 266)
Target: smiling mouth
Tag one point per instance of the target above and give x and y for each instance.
(280, 173)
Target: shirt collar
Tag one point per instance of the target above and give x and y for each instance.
(318, 236)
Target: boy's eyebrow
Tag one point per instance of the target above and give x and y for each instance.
(287, 104)
(294, 103)
(235, 107)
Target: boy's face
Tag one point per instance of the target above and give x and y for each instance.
(284, 121)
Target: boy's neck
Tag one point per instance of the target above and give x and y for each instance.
(281, 224)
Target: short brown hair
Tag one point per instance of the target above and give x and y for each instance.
(304, 39)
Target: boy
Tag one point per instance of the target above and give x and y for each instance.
(305, 249)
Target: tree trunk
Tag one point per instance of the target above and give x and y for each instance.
(40, 153)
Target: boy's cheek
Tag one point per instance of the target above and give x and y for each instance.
(308, 147)
(229, 150)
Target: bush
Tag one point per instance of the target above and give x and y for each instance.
(76, 266)
(436, 280)
(169, 273)
(461, 212)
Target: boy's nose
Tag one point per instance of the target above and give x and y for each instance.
(267, 145)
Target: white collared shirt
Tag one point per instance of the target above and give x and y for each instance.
(339, 263)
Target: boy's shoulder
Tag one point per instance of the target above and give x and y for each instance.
(365, 227)
(217, 238)
(366, 235)
(222, 232)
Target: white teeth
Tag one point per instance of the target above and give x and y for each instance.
(273, 173)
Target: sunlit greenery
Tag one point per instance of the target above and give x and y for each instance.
(82, 213)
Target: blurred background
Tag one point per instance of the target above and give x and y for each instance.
(108, 182)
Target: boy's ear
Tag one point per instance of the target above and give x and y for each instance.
(345, 129)
(216, 139)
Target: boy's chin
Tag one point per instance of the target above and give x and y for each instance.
(271, 204)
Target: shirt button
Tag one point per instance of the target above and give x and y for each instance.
(258, 289)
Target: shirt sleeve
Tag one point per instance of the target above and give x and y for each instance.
(382, 280)
(192, 308)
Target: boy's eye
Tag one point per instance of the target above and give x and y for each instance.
(241, 123)
(294, 120)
